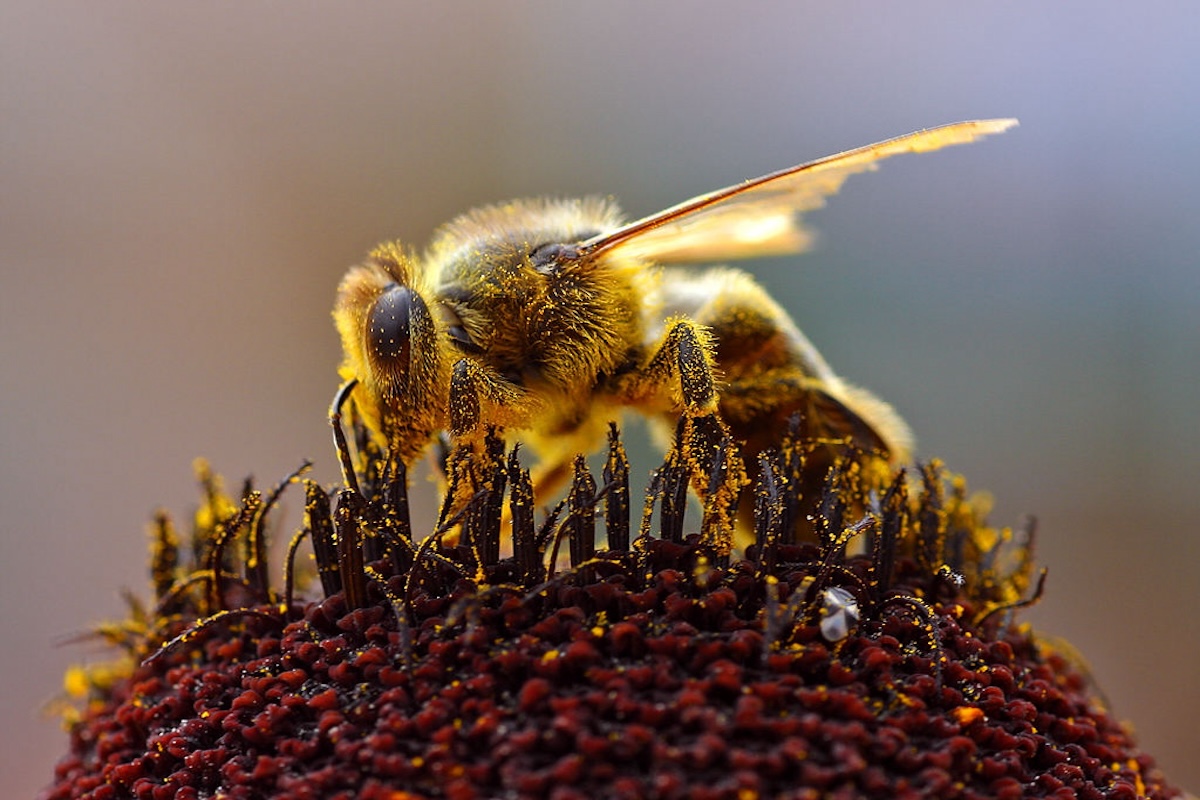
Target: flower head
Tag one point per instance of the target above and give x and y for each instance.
(873, 654)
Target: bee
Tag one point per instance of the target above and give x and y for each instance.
(546, 319)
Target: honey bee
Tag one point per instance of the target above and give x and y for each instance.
(545, 319)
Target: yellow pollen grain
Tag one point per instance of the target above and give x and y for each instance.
(75, 681)
(967, 714)
(1137, 776)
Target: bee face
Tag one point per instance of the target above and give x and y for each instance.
(546, 318)
(396, 348)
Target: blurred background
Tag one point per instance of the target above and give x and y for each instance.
(182, 186)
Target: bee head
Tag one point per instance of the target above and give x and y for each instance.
(395, 348)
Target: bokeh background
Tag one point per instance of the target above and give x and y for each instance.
(181, 186)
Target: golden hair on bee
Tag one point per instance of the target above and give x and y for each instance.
(545, 319)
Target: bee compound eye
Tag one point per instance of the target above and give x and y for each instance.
(389, 332)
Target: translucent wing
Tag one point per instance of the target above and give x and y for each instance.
(761, 217)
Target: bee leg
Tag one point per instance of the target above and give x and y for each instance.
(718, 475)
(464, 398)
(480, 401)
(679, 374)
(463, 467)
(480, 397)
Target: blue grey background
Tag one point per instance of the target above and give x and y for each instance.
(182, 186)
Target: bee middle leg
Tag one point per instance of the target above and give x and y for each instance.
(678, 374)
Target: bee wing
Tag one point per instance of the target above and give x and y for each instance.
(761, 217)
